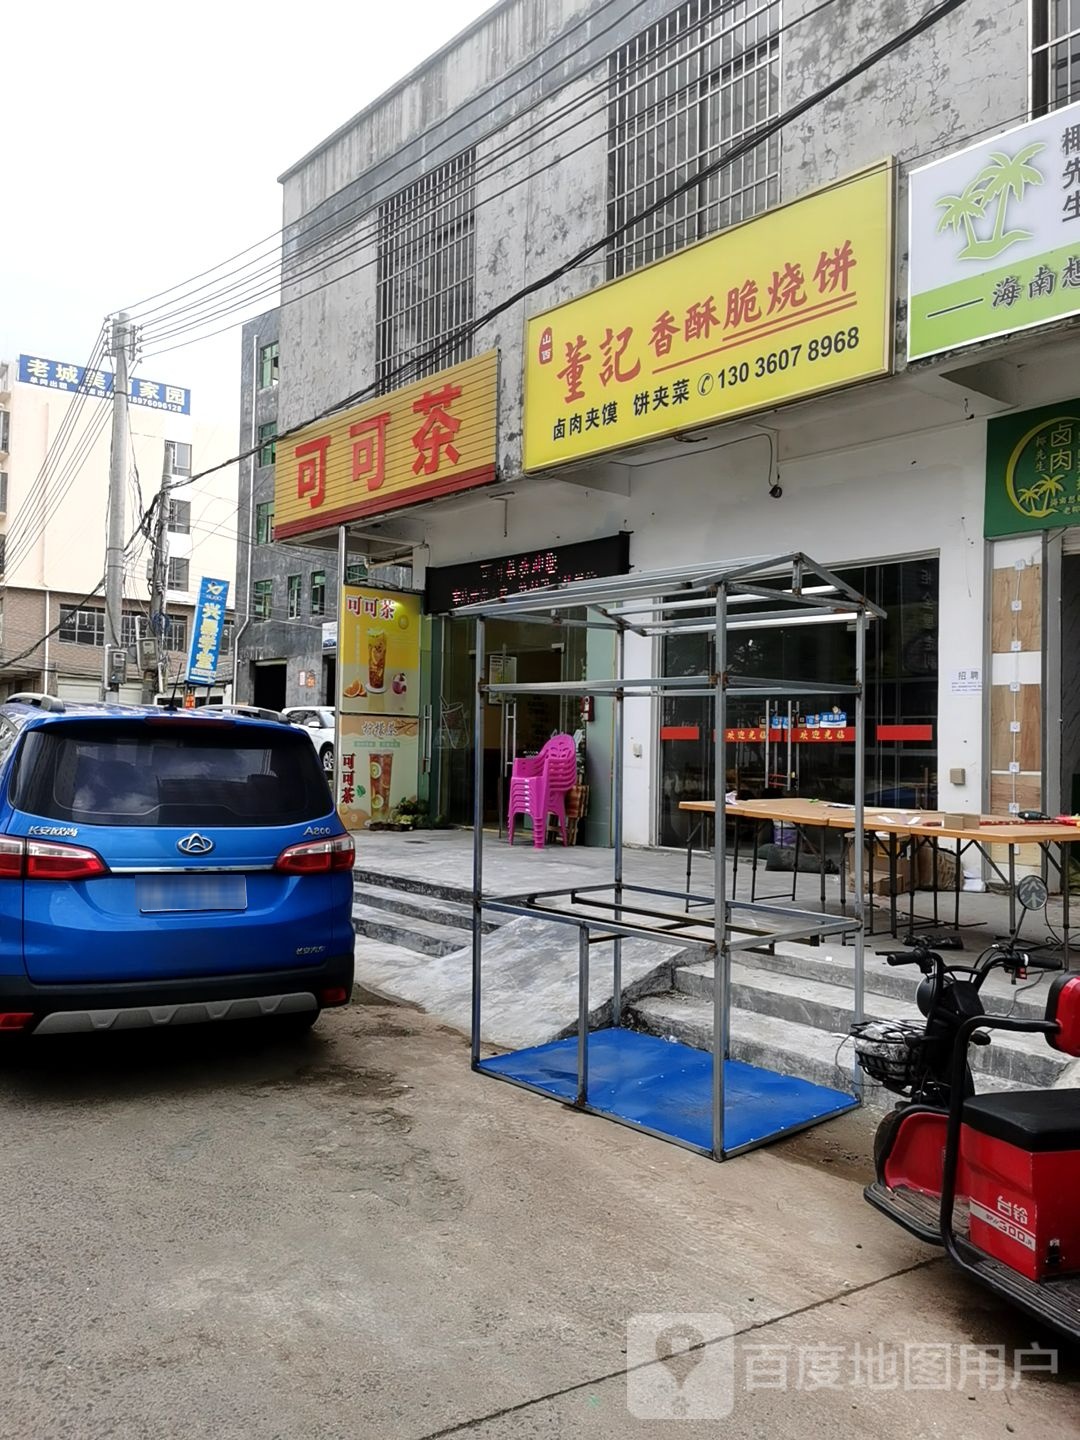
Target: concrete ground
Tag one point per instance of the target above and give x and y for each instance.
(354, 1236)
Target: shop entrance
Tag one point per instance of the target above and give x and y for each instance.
(801, 752)
(520, 726)
(269, 684)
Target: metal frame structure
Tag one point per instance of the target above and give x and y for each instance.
(794, 591)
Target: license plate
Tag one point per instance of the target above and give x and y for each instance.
(167, 894)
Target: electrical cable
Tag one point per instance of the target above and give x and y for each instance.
(451, 339)
(277, 236)
(483, 170)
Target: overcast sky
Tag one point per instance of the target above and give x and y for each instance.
(143, 145)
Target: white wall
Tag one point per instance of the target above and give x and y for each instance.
(885, 499)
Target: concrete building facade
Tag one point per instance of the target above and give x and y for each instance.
(559, 121)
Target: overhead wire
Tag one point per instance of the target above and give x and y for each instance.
(276, 236)
(732, 153)
(483, 171)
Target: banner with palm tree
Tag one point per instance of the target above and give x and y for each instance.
(1033, 470)
(995, 236)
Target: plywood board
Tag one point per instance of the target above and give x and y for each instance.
(1025, 624)
(1026, 707)
(1028, 792)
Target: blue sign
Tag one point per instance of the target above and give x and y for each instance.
(58, 375)
(206, 636)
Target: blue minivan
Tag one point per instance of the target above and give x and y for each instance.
(163, 867)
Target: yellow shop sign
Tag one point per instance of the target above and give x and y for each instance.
(793, 303)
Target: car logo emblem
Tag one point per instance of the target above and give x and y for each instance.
(195, 844)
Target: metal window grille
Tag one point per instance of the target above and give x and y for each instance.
(3, 492)
(82, 627)
(5, 431)
(1055, 54)
(682, 92)
(425, 273)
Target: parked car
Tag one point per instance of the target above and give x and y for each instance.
(166, 867)
(319, 722)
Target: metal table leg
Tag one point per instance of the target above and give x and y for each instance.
(1012, 889)
(892, 884)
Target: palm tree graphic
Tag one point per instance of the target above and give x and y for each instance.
(1004, 179)
(1037, 500)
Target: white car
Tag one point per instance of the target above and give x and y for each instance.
(319, 722)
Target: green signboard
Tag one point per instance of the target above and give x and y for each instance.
(1033, 470)
(994, 236)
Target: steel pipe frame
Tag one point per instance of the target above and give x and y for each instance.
(722, 943)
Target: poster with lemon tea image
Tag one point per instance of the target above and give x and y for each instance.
(379, 652)
(378, 767)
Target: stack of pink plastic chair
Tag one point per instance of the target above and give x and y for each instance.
(538, 786)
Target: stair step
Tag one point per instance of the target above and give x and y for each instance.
(413, 885)
(422, 936)
(1019, 1059)
(819, 1056)
(836, 966)
(421, 907)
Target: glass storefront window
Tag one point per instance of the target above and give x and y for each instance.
(901, 701)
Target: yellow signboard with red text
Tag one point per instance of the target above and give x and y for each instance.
(426, 440)
(794, 302)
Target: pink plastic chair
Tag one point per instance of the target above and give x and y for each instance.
(538, 786)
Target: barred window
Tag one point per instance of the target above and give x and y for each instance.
(1055, 54)
(425, 273)
(683, 92)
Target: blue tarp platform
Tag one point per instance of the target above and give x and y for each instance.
(665, 1087)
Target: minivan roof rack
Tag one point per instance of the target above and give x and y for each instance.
(38, 699)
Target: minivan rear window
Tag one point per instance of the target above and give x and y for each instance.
(150, 773)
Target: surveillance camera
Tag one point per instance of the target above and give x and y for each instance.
(776, 491)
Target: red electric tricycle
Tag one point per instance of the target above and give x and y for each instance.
(993, 1178)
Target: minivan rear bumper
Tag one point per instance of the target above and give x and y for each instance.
(139, 1005)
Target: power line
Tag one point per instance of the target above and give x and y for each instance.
(159, 330)
(733, 153)
(278, 235)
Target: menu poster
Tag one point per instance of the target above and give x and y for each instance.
(379, 652)
(378, 767)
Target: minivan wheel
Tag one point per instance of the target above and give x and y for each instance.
(326, 755)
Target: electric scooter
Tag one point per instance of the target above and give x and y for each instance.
(993, 1178)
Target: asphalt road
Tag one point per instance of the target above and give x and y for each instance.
(353, 1236)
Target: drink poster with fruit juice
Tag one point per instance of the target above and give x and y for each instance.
(379, 766)
(379, 652)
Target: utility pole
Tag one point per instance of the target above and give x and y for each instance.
(118, 469)
(152, 673)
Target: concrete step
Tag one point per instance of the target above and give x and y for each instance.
(424, 937)
(811, 1005)
(816, 1055)
(422, 907)
(835, 965)
(415, 885)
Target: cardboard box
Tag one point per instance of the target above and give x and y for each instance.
(962, 822)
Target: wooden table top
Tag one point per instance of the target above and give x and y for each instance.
(993, 830)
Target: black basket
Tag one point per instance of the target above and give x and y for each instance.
(889, 1052)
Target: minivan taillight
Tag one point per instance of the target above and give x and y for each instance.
(46, 861)
(42, 860)
(317, 857)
